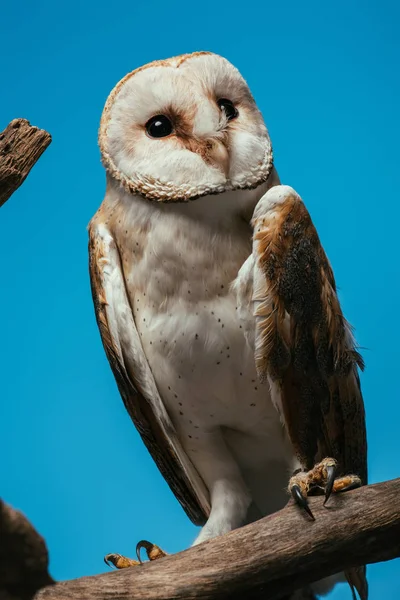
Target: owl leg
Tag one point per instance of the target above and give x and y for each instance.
(229, 494)
(230, 501)
(321, 477)
(121, 562)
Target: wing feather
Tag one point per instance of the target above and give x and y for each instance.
(303, 345)
(134, 378)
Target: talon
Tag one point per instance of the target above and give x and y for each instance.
(351, 486)
(111, 558)
(330, 480)
(143, 544)
(153, 552)
(119, 562)
(106, 561)
(301, 500)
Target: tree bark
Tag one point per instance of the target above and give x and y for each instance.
(21, 145)
(262, 561)
(23, 557)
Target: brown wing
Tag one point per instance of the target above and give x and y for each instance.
(303, 342)
(134, 378)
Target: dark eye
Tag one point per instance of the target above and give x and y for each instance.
(159, 126)
(227, 107)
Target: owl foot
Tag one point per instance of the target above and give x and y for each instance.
(121, 562)
(321, 477)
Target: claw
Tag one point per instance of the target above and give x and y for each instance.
(352, 486)
(142, 544)
(330, 480)
(107, 558)
(153, 552)
(118, 561)
(301, 500)
(111, 559)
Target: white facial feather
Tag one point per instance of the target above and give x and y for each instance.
(205, 153)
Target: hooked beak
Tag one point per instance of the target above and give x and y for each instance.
(218, 155)
(213, 150)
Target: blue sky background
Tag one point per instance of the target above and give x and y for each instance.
(326, 77)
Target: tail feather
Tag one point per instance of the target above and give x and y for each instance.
(357, 580)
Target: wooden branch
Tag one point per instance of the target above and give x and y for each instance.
(23, 557)
(262, 561)
(21, 145)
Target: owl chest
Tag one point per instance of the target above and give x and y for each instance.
(187, 319)
(203, 368)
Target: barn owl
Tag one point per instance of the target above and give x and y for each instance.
(217, 305)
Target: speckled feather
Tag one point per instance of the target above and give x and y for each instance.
(157, 434)
(313, 361)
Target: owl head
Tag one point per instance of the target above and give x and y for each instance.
(182, 128)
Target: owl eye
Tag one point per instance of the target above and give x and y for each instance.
(228, 108)
(159, 126)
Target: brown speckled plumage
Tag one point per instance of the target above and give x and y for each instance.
(137, 406)
(314, 360)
